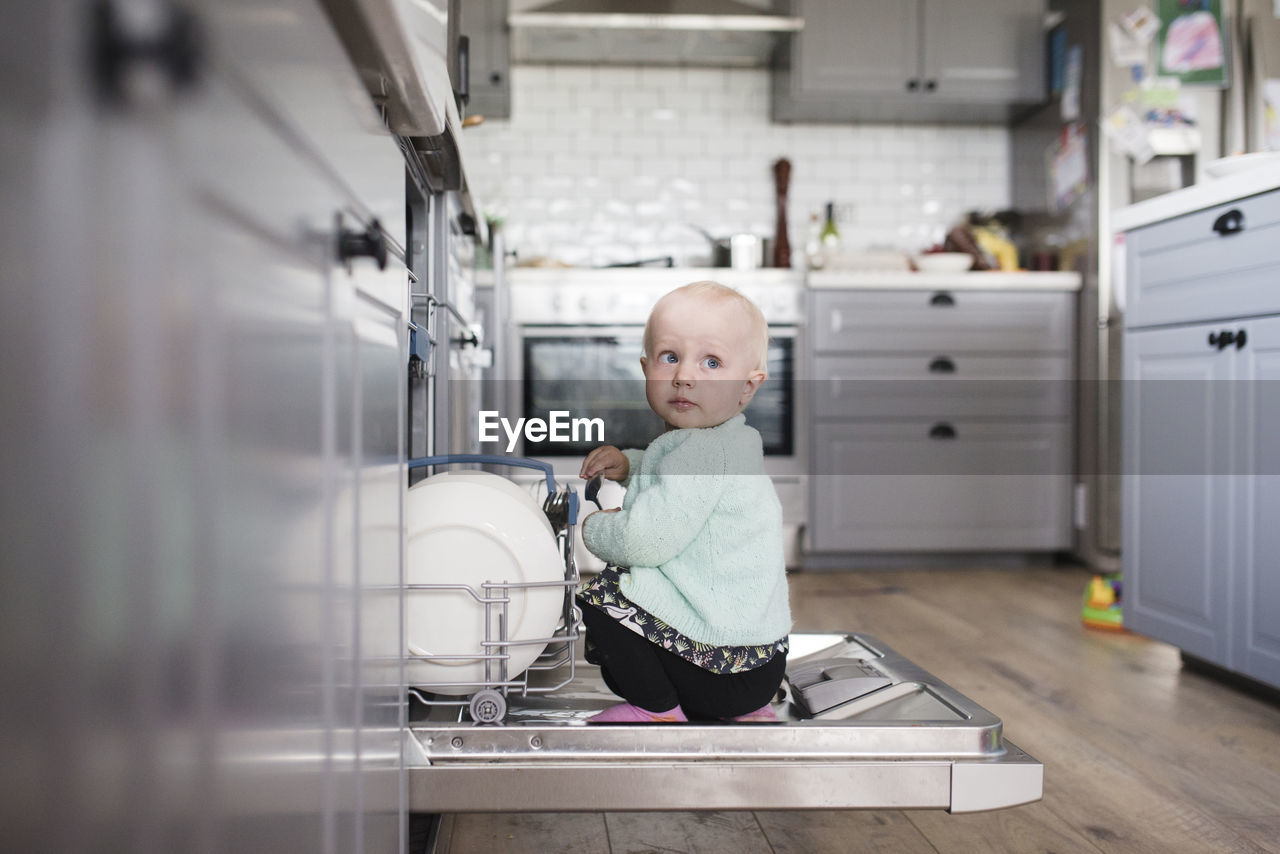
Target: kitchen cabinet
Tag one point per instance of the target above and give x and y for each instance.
(1216, 262)
(924, 60)
(210, 496)
(484, 23)
(941, 420)
(1201, 455)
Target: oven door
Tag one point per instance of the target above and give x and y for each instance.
(593, 372)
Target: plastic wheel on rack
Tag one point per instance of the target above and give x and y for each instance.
(488, 706)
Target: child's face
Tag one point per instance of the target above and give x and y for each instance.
(702, 368)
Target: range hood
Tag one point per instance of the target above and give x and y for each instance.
(648, 32)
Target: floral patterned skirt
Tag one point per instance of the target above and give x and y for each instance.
(603, 592)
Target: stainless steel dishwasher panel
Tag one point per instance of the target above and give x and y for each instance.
(910, 741)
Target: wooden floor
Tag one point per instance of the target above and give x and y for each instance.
(1140, 755)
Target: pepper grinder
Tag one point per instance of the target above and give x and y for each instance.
(781, 245)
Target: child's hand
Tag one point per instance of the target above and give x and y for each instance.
(608, 461)
(594, 512)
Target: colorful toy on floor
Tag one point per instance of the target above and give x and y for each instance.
(1101, 609)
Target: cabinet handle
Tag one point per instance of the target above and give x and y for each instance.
(942, 365)
(942, 430)
(1222, 340)
(1231, 222)
(172, 42)
(462, 94)
(1241, 337)
(370, 243)
(942, 298)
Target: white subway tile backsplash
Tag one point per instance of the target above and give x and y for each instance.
(609, 164)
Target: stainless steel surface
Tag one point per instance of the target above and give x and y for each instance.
(685, 32)
(400, 48)
(1097, 526)
(901, 749)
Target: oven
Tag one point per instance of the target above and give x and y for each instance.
(596, 370)
(574, 347)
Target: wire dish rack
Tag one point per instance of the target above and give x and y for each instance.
(485, 699)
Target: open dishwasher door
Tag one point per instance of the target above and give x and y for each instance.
(861, 727)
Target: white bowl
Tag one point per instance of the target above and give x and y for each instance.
(1240, 163)
(944, 262)
(462, 530)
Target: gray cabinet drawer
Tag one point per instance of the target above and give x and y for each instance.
(916, 320)
(889, 487)
(1183, 270)
(1002, 386)
(937, 446)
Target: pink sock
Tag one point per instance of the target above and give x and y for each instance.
(760, 715)
(625, 713)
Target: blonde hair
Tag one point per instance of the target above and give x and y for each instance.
(716, 291)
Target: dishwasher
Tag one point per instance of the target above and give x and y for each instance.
(860, 727)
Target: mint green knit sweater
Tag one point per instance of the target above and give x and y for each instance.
(701, 530)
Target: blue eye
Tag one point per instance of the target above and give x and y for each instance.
(668, 357)
(712, 362)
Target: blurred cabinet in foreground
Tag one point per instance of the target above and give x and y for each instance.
(202, 452)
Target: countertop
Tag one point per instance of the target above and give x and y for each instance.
(675, 276)
(1206, 194)
(994, 281)
(670, 277)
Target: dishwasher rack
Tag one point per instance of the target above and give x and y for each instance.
(486, 699)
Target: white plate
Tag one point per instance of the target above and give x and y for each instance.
(1240, 163)
(462, 530)
(497, 482)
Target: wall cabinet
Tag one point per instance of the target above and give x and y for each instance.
(1202, 489)
(924, 60)
(484, 23)
(941, 420)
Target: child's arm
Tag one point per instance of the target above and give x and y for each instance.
(661, 521)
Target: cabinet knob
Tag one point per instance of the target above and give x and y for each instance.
(913, 85)
(1231, 222)
(942, 430)
(371, 243)
(942, 365)
(942, 298)
(930, 85)
(1241, 337)
(169, 40)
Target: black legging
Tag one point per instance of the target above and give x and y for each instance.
(648, 676)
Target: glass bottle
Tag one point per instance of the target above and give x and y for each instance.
(813, 243)
(830, 236)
